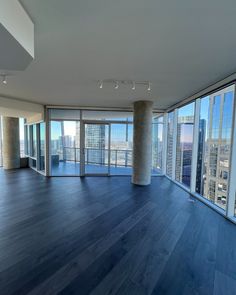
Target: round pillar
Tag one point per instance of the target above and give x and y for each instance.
(11, 143)
(142, 143)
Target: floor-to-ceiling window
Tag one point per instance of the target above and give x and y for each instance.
(32, 145)
(106, 137)
(34, 141)
(170, 138)
(214, 146)
(121, 148)
(64, 142)
(184, 144)
(22, 137)
(28, 141)
(157, 144)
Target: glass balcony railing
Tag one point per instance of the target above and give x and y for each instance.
(95, 156)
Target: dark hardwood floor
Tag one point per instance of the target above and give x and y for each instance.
(105, 236)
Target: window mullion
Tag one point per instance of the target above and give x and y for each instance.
(230, 209)
(174, 143)
(195, 145)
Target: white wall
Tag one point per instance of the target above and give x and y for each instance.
(21, 109)
(14, 18)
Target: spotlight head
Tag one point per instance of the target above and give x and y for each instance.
(149, 86)
(133, 87)
(116, 85)
(101, 84)
(4, 80)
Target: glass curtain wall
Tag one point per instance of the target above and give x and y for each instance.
(170, 138)
(65, 142)
(184, 144)
(157, 145)
(97, 127)
(212, 159)
(214, 146)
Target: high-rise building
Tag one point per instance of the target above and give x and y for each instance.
(95, 143)
(77, 134)
(200, 162)
(215, 173)
(184, 149)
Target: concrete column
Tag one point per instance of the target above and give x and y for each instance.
(142, 143)
(11, 143)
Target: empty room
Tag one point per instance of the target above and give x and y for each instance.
(117, 147)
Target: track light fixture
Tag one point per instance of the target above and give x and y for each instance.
(130, 83)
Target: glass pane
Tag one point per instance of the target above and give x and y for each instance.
(28, 135)
(202, 144)
(170, 127)
(96, 148)
(215, 117)
(34, 141)
(184, 144)
(121, 149)
(65, 148)
(157, 145)
(22, 137)
(214, 147)
(42, 147)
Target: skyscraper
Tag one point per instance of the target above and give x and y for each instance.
(95, 143)
(215, 174)
(184, 149)
(200, 161)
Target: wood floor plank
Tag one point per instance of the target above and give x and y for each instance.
(35, 268)
(135, 258)
(161, 217)
(224, 284)
(66, 274)
(178, 269)
(48, 230)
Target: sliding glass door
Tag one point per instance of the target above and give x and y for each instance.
(96, 154)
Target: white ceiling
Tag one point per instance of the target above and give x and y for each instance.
(179, 46)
